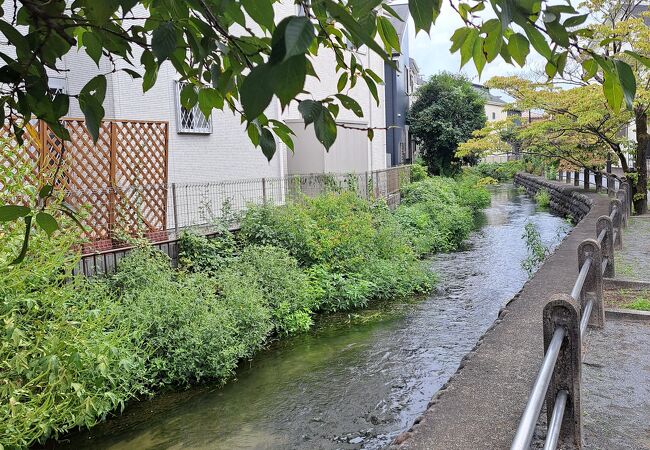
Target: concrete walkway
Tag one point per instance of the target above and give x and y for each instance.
(481, 406)
(633, 262)
(616, 387)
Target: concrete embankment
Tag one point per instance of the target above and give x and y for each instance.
(480, 407)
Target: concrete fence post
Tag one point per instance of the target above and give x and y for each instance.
(562, 311)
(568, 176)
(617, 221)
(610, 185)
(560, 175)
(585, 181)
(593, 286)
(607, 245)
(621, 195)
(576, 178)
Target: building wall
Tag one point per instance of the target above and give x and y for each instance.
(495, 112)
(227, 152)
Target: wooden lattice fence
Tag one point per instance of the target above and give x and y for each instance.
(120, 182)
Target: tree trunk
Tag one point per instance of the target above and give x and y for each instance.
(640, 188)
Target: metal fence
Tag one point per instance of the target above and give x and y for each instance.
(199, 206)
(565, 321)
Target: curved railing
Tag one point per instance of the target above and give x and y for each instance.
(566, 318)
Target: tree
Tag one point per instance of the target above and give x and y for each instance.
(235, 54)
(618, 32)
(447, 110)
(578, 129)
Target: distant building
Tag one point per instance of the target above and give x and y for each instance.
(398, 88)
(496, 109)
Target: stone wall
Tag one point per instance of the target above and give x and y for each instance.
(566, 199)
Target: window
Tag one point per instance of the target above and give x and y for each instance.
(190, 120)
(57, 85)
(494, 115)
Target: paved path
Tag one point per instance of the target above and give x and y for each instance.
(616, 387)
(481, 406)
(633, 262)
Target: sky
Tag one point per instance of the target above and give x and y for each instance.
(431, 52)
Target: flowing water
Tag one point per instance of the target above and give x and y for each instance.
(357, 380)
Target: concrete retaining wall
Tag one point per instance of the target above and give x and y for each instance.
(565, 199)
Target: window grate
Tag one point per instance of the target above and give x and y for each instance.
(190, 120)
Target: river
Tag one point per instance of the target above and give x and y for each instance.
(356, 380)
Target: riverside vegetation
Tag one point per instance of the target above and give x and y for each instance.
(75, 350)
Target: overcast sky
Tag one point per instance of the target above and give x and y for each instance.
(432, 52)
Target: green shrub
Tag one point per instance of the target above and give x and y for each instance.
(200, 254)
(543, 198)
(504, 171)
(198, 327)
(67, 358)
(470, 193)
(285, 287)
(418, 172)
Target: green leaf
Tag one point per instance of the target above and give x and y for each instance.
(10, 213)
(612, 90)
(261, 12)
(45, 191)
(25, 246)
(351, 104)
(267, 142)
(458, 38)
(575, 20)
(309, 110)
(209, 99)
(47, 222)
(467, 49)
(558, 33)
(93, 46)
(163, 41)
(388, 34)
(256, 92)
(479, 56)
(288, 78)
(424, 13)
(325, 128)
(298, 36)
(343, 81)
(628, 81)
(642, 59)
(493, 40)
(371, 134)
(91, 99)
(590, 68)
(188, 96)
(538, 41)
(518, 48)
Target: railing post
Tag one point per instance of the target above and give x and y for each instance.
(585, 182)
(617, 220)
(593, 286)
(576, 178)
(621, 195)
(562, 311)
(175, 209)
(607, 245)
(560, 175)
(610, 185)
(628, 197)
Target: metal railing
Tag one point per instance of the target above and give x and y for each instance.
(565, 321)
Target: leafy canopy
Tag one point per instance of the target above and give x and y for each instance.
(239, 54)
(447, 110)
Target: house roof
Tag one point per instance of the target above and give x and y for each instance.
(489, 98)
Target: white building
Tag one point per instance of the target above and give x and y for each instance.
(218, 148)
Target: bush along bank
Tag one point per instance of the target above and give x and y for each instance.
(75, 350)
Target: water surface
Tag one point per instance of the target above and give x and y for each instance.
(357, 380)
